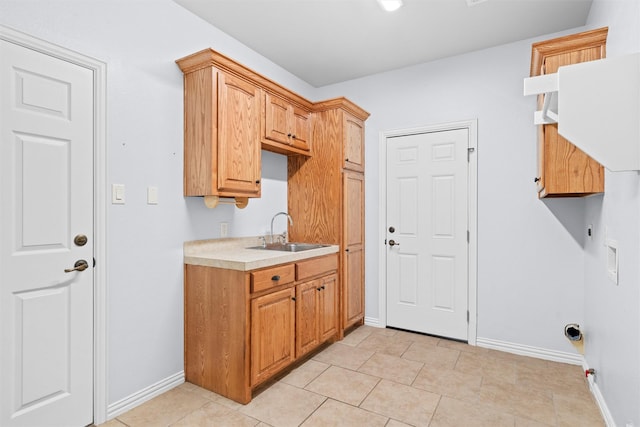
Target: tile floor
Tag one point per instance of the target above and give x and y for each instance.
(384, 377)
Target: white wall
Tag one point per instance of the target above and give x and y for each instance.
(139, 41)
(530, 257)
(612, 313)
(532, 274)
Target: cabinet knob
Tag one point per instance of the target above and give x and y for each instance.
(293, 298)
(346, 160)
(318, 289)
(289, 135)
(346, 250)
(275, 278)
(293, 136)
(536, 179)
(257, 181)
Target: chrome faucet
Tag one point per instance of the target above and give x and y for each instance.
(274, 217)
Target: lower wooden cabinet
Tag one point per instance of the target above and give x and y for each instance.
(272, 333)
(242, 328)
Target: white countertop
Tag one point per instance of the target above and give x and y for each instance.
(233, 254)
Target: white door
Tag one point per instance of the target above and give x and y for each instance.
(46, 200)
(427, 259)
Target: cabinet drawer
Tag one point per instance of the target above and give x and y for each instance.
(276, 276)
(316, 266)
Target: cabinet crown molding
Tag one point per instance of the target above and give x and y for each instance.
(211, 58)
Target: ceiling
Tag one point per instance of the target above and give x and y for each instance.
(330, 41)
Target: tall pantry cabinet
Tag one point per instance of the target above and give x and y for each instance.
(326, 197)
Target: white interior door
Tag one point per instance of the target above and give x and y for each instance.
(46, 200)
(427, 210)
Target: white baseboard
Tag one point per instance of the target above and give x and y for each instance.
(147, 393)
(526, 350)
(373, 321)
(556, 356)
(597, 395)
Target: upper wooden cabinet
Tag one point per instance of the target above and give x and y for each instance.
(353, 143)
(285, 127)
(221, 132)
(563, 169)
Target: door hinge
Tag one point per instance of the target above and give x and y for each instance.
(467, 316)
(468, 236)
(469, 151)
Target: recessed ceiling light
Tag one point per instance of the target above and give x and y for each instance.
(390, 5)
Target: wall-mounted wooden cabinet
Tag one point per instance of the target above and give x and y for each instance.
(230, 114)
(353, 153)
(242, 328)
(563, 169)
(284, 125)
(221, 144)
(326, 197)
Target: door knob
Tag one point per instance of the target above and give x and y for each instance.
(392, 229)
(393, 243)
(80, 265)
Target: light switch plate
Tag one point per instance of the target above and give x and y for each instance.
(152, 195)
(117, 194)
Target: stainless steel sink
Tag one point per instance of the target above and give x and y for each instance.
(289, 247)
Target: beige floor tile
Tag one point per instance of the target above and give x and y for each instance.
(577, 411)
(457, 413)
(385, 344)
(525, 422)
(555, 377)
(338, 414)
(209, 395)
(164, 410)
(396, 423)
(283, 405)
(305, 373)
(356, 336)
(401, 402)
(450, 383)
(218, 415)
(344, 356)
(344, 385)
(112, 423)
(417, 338)
(519, 401)
(462, 346)
(488, 366)
(387, 332)
(392, 368)
(432, 355)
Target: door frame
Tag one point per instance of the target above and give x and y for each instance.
(472, 217)
(99, 69)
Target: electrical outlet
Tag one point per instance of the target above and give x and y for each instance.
(224, 229)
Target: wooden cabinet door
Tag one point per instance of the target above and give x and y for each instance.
(301, 128)
(272, 334)
(353, 130)
(238, 136)
(284, 123)
(564, 169)
(328, 307)
(353, 244)
(276, 119)
(307, 298)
